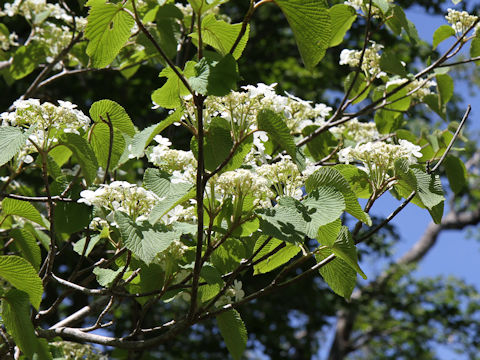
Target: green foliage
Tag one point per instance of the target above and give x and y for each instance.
(277, 172)
(342, 17)
(21, 208)
(16, 317)
(233, 332)
(456, 173)
(311, 24)
(340, 276)
(145, 137)
(275, 126)
(144, 240)
(441, 34)
(109, 112)
(12, 139)
(108, 29)
(168, 96)
(214, 77)
(26, 59)
(21, 274)
(27, 246)
(84, 154)
(272, 262)
(221, 35)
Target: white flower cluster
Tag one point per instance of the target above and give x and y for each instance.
(243, 182)
(8, 40)
(358, 132)
(172, 254)
(54, 37)
(233, 293)
(50, 31)
(180, 213)
(283, 176)
(121, 196)
(241, 108)
(371, 60)
(30, 8)
(417, 89)
(182, 164)
(50, 120)
(379, 157)
(460, 20)
(361, 5)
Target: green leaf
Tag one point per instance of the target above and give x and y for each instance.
(433, 102)
(429, 188)
(311, 25)
(342, 17)
(441, 34)
(239, 156)
(23, 209)
(359, 88)
(106, 276)
(277, 129)
(344, 248)
(327, 234)
(60, 154)
(12, 140)
(26, 59)
(80, 244)
(168, 96)
(324, 205)
(103, 111)
(456, 173)
(328, 176)
(475, 48)
(445, 88)
(27, 245)
(281, 257)
(221, 35)
(71, 217)
(144, 240)
(228, 256)
(202, 6)
(108, 29)
(100, 142)
(357, 179)
(390, 63)
(233, 332)
(84, 154)
(21, 274)
(215, 77)
(16, 317)
(399, 101)
(143, 138)
(286, 221)
(321, 145)
(387, 121)
(159, 182)
(218, 143)
(337, 274)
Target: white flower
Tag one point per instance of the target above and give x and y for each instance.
(237, 288)
(121, 196)
(359, 132)
(162, 141)
(267, 91)
(370, 63)
(460, 20)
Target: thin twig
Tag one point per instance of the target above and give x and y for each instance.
(459, 128)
